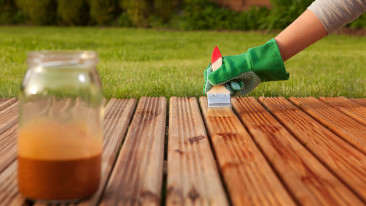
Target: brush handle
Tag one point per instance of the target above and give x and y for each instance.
(218, 89)
(217, 64)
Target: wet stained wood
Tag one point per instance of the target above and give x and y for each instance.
(346, 127)
(346, 162)
(8, 147)
(8, 132)
(249, 178)
(6, 102)
(348, 107)
(9, 191)
(117, 118)
(116, 121)
(361, 101)
(193, 177)
(137, 175)
(8, 115)
(247, 175)
(306, 178)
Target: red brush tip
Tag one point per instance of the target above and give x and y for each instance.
(215, 55)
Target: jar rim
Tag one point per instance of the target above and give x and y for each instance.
(61, 57)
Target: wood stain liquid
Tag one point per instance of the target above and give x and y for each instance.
(58, 161)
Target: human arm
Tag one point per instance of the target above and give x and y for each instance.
(304, 31)
(320, 19)
(242, 73)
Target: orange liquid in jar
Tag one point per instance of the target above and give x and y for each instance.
(58, 161)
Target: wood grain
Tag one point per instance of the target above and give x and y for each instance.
(193, 177)
(6, 102)
(117, 118)
(116, 121)
(8, 149)
(248, 176)
(137, 175)
(8, 116)
(8, 134)
(9, 191)
(346, 162)
(346, 127)
(348, 107)
(307, 179)
(361, 101)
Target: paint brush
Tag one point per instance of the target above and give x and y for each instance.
(218, 96)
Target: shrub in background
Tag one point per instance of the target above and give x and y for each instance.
(162, 13)
(39, 12)
(8, 12)
(174, 14)
(73, 12)
(157, 22)
(104, 12)
(285, 12)
(252, 19)
(138, 11)
(122, 20)
(165, 8)
(359, 23)
(205, 14)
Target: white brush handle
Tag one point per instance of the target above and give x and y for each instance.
(218, 89)
(217, 64)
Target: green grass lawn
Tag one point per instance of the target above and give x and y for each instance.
(139, 62)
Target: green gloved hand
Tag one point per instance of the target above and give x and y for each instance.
(242, 73)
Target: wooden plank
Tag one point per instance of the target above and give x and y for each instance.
(348, 107)
(347, 128)
(8, 133)
(6, 102)
(138, 172)
(193, 178)
(307, 179)
(9, 191)
(342, 159)
(359, 101)
(8, 147)
(116, 121)
(248, 176)
(117, 118)
(8, 117)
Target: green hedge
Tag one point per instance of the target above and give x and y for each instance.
(284, 12)
(104, 12)
(138, 11)
(38, 12)
(8, 12)
(174, 14)
(73, 12)
(359, 23)
(165, 9)
(206, 14)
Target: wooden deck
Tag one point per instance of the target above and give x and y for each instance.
(265, 151)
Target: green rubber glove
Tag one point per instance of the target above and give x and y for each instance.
(242, 73)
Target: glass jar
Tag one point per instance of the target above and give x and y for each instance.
(60, 135)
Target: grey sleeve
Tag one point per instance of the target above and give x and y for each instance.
(335, 14)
